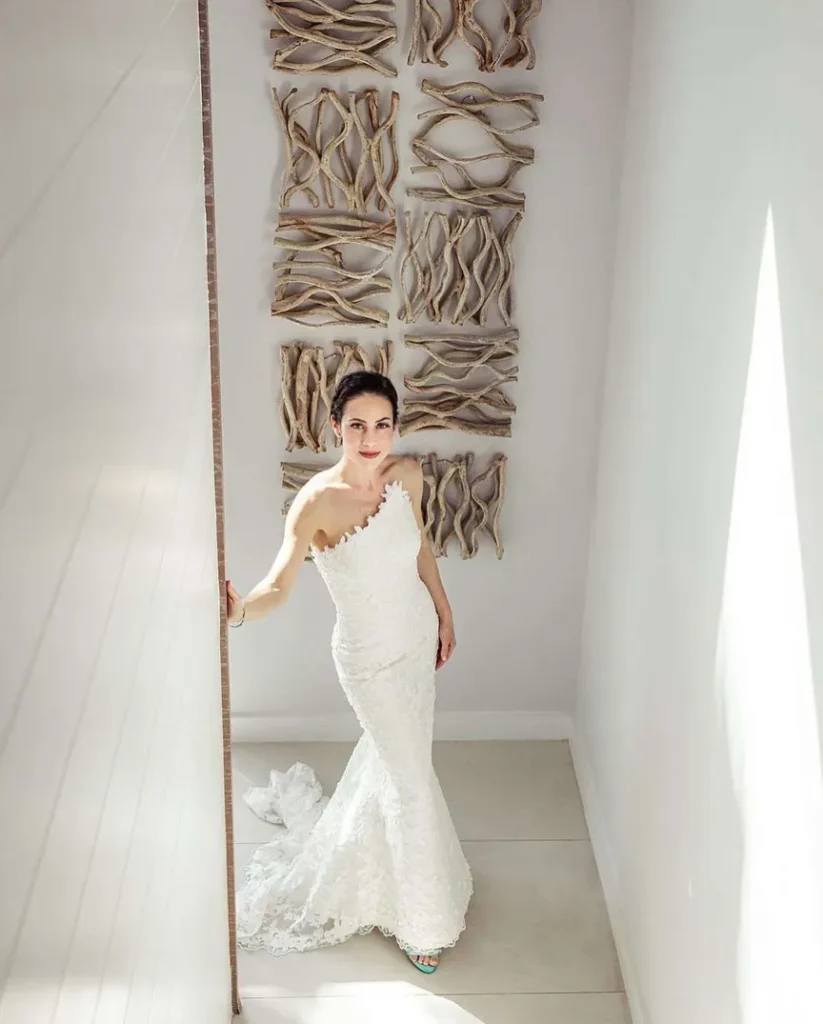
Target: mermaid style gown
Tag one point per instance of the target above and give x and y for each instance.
(382, 852)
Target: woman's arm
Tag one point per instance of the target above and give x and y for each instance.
(273, 590)
(427, 568)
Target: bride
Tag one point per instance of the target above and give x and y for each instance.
(382, 852)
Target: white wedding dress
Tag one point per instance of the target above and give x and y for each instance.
(382, 852)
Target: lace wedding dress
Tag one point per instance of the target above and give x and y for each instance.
(382, 852)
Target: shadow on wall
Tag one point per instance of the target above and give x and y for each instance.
(700, 694)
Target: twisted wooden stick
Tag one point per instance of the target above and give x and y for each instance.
(460, 381)
(477, 105)
(471, 514)
(452, 96)
(430, 33)
(457, 280)
(487, 512)
(328, 232)
(347, 38)
(526, 13)
(454, 357)
(507, 45)
(312, 281)
(443, 409)
(357, 132)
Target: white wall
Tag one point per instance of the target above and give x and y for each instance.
(112, 873)
(702, 672)
(525, 611)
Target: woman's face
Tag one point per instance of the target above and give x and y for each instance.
(367, 429)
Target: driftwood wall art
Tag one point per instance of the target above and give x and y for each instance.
(455, 506)
(339, 148)
(475, 105)
(321, 280)
(333, 265)
(309, 375)
(437, 23)
(457, 268)
(460, 386)
(332, 37)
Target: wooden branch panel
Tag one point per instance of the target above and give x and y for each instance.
(460, 386)
(507, 44)
(320, 281)
(321, 36)
(309, 376)
(474, 104)
(456, 506)
(457, 268)
(339, 149)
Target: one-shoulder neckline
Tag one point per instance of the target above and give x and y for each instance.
(390, 488)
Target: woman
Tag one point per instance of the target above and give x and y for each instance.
(383, 853)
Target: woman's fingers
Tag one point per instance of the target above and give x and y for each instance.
(445, 649)
(233, 600)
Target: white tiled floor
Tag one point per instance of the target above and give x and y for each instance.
(537, 948)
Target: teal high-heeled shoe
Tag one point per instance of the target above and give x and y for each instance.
(424, 968)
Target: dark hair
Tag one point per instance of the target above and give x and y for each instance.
(364, 382)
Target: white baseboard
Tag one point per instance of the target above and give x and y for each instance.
(609, 876)
(501, 725)
(448, 725)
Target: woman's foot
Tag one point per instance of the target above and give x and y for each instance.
(427, 963)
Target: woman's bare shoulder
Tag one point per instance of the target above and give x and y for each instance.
(406, 469)
(315, 497)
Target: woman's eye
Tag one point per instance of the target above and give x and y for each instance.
(383, 426)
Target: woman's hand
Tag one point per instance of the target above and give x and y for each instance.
(234, 605)
(447, 642)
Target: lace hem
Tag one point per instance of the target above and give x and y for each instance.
(259, 944)
(282, 943)
(284, 921)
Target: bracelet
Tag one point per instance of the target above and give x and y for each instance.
(237, 625)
